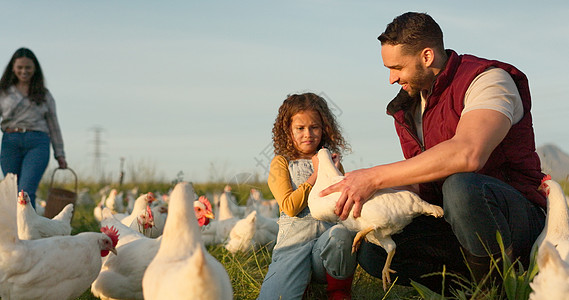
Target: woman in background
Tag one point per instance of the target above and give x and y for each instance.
(29, 122)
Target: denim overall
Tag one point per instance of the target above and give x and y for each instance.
(306, 248)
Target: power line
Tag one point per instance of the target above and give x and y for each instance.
(97, 153)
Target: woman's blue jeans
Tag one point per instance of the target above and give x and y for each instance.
(25, 154)
(476, 207)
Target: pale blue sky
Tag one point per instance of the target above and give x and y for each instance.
(184, 85)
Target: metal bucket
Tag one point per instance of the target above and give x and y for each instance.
(58, 198)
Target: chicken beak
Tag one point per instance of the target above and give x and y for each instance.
(209, 215)
(114, 250)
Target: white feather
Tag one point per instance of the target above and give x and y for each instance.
(32, 226)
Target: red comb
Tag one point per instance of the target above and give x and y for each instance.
(113, 233)
(205, 201)
(543, 187)
(545, 178)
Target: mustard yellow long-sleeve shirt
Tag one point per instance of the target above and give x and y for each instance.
(290, 201)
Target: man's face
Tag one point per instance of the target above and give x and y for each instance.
(406, 70)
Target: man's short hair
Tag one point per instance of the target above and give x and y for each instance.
(415, 32)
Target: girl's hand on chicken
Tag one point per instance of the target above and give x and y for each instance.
(315, 163)
(312, 179)
(336, 160)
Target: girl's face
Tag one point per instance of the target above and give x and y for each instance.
(306, 131)
(24, 69)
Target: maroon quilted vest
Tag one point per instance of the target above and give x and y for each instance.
(514, 160)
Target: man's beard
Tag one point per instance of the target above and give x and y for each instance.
(421, 79)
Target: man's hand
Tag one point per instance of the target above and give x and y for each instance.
(356, 189)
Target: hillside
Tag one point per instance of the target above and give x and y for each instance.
(554, 161)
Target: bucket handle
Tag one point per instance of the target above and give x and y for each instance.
(53, 174)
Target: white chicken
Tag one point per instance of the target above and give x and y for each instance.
(159, 216)
(556, 227)
(61, 267)
(387, 212)
(98, 210)
(32, 226)
(182, 268)
(228, 207)
(40, 206)
(252, 232)
(264, 207)
(139, 205)
(115, 202)
(552, 245)
(242, 234)
(130, 198)
(552, 281)
(121, 276)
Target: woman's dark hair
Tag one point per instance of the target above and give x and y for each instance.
(293, 104)
(415, 32)
(37, 90)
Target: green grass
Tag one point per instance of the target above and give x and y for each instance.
(247, 270)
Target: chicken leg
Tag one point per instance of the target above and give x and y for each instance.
(389, 248)
(358, 238)
(386, 270)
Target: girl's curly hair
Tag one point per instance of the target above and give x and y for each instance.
(293, 104)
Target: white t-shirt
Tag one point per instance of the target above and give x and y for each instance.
(492, 89)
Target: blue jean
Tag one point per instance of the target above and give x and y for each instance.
(306, 250)
(25, 154)
(475, 207)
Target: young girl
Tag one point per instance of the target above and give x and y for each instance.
(306, 249)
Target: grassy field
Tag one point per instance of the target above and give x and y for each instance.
(247, 270)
